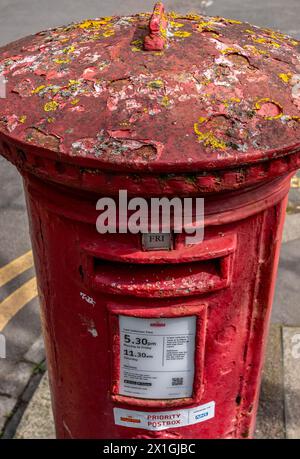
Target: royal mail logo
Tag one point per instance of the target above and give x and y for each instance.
(158, 324)
(131, 419)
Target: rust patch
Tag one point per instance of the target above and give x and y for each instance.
(23, 88)
(146, 153)
(239, 60)
(118, 85)
(219, 123)
(39, 137)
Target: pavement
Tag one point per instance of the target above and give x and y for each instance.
(25, 407)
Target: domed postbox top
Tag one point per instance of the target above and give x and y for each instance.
(161, 92)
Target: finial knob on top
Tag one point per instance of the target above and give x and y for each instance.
(157, 38)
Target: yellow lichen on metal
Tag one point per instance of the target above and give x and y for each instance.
(255, 50)
(136, 45)
(136, 42)
(230, 101)
(267, 100)
(193, 16)
(229, 51)
(208, 138)
(51, 106)
(163, 31)
(233, 21)
(156, 84)
(38, 89)
(276, 117)
(70, 49)
(280, 36)
(108, 33)
(165, 101)
(286, 77)
(174, 15)
(158, 5)
(205, 25)
(260, 102)
(266, 41)
(176, 25)
(61, 61)
(181, 34)
(94, 24)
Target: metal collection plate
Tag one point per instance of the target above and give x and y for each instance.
(157, 241)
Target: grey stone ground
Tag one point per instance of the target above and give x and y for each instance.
(291, 381)
(37, 422)
(270, 419)
(279, 410)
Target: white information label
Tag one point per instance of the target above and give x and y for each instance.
(157, 357)
(164, 419)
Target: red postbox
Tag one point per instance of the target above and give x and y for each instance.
(164, 343)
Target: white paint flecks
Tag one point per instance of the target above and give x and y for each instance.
(90, 326)
(87, 298)
(93, 332)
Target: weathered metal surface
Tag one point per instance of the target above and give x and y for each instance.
(220, 93)
(81, 284)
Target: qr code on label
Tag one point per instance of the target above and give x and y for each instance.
(177, 381)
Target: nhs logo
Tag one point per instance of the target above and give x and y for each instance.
(202, 413)
(200, 416)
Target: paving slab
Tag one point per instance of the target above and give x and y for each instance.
(286, 307)
(14, 377)
(294, 195)
(36, 353)
(291, 364)
(270, 416)
(23, 329)
(7, 405)
(37, 421)
(291, 229)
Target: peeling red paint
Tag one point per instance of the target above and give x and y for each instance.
(96, 76)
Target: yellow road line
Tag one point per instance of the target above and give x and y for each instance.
(15, 267)
(14, 302)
